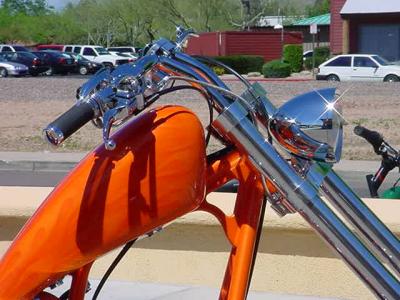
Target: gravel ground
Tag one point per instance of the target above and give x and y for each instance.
(29, 104)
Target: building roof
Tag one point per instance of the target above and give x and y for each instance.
(370, 7)
(319, 20)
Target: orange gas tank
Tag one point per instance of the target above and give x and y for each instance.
(155, 175)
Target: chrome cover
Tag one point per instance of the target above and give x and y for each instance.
(310, 126)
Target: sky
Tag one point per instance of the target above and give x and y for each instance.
(59, 4)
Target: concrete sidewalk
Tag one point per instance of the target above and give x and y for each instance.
(63, 161)
(122, 290)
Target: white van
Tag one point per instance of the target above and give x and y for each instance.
(368, 67)
(12, 48)
(97, 54)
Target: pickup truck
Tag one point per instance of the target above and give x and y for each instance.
(98, 54)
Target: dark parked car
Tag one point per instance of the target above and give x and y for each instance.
(85, 66)
(34, 63)
(59, 62)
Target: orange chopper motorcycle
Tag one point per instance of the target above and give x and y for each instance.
(122, 190)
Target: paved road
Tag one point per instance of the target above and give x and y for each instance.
(355, 179)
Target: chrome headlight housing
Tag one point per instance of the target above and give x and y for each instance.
(310, 126)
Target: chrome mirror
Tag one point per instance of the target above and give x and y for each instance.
(310, 126)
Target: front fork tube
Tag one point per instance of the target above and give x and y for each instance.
(377, 235)
(303, 196)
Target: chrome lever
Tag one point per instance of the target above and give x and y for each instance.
(116, 116)
(108, 121)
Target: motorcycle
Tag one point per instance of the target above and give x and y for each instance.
(390, 160)
(154, 169)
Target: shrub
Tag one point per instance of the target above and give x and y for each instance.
(293, 55)
(276, 69)
(322, 51)
(218, 70)
(318, 60)
(321, 55)
(242, 64)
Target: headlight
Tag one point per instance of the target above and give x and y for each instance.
(310, 126)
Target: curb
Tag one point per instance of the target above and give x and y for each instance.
(28, 199)
(37, 162)
(272, 79)
(36, 166)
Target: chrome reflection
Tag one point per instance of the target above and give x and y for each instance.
(310, 126)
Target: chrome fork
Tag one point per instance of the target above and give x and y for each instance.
(375, 233)
(303, 196)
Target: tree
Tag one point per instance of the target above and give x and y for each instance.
(320, 7)
(27, 7)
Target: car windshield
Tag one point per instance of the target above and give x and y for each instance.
(27, 54)
(102, 51)
(20, 48)
(381, 60)
(78, 57)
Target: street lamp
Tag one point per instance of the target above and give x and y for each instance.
(277, 27)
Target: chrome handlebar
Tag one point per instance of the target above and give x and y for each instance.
(117, 95)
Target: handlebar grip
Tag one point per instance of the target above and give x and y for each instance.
(69, 122)
(373, 137)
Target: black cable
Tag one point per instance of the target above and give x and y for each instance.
(154, 97)
(112, 267)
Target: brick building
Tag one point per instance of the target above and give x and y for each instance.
(366, 26)
(265, 43)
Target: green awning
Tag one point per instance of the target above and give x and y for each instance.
(319, 20)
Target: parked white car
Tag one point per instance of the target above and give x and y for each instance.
(97, 54)
(358, 67)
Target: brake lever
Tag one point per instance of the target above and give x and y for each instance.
(108, 121)
(116, 116)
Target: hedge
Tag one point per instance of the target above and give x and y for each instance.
(321, 55)
(276, 69)
(322, 51)
(293, 55)
(242, 64)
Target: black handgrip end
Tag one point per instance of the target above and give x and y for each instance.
(373, 137)
(68, 123)
(358, 130)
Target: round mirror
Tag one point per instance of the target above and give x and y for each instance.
(310, 126)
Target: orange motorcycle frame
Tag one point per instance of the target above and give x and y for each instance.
(158, 172)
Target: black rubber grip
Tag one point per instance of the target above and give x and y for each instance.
(373, 137)
(69, 122)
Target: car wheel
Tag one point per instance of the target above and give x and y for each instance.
(3, 72)
(332, 77)
(391, 78)
(108, 65)
(83, 70)
(49, 72)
